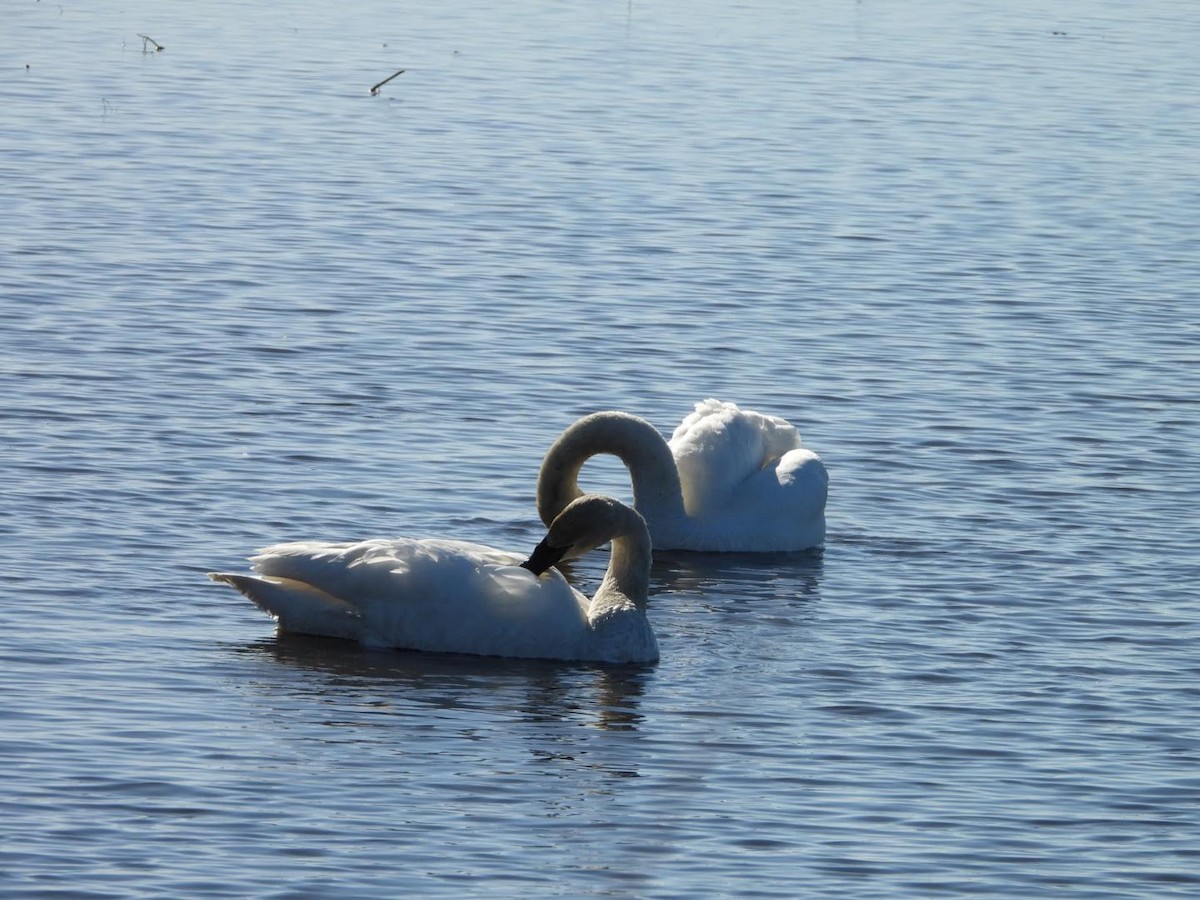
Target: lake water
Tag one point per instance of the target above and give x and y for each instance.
(242, 300)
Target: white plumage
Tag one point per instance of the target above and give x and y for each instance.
(728, 480)
(458, 597)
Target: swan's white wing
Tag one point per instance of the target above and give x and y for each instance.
(719, 446)
(448, 596)
(795, 487)
(779, 508)
(368, 568)
(299, 607)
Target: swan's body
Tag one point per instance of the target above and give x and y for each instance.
(457, 597)
(728, 480)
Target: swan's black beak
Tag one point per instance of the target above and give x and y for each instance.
(544, 556)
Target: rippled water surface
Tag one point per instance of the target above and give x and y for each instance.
(243, 300)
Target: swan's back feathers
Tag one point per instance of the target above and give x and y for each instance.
(719, 446)
(436, 595)
(358, 571)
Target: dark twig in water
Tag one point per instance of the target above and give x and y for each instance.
(375, 89)
(146, 39)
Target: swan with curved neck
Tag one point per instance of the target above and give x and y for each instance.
(457, 597)
(728, 480)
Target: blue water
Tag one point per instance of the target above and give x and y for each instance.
(242, 301)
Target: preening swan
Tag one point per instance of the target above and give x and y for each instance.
(458, 597)
(728, 480)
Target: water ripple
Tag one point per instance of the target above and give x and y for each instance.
(245, 301)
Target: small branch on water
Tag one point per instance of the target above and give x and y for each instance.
(375, 89)
(146, 41)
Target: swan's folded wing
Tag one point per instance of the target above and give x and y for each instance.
(718, 447)
(356, 572)
(804, 478)
(299, 607)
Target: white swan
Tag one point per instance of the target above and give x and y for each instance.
(729, 480)
(458, 597)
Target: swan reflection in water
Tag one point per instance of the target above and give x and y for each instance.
(738, 575)
(704, 604)
(540, 691)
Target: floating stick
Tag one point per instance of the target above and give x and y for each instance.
(375, 89)
(145, 38)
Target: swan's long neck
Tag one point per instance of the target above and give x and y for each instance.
(628, 575)
(656, 489)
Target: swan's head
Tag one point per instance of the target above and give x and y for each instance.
(587, 523)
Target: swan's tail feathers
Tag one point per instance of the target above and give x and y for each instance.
(299, 607)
